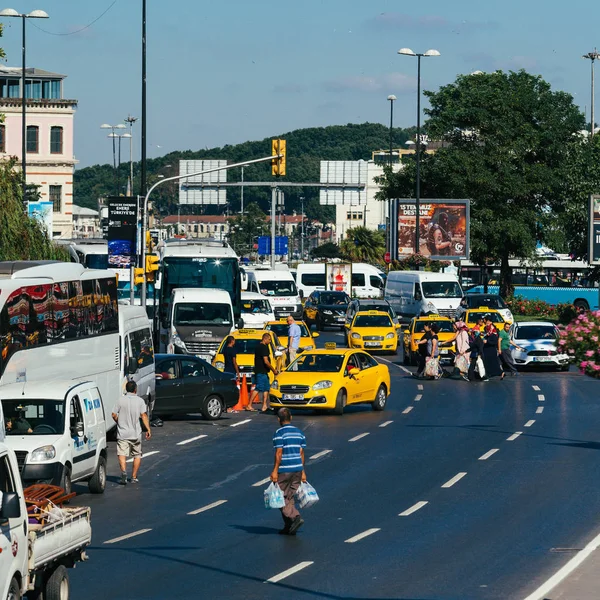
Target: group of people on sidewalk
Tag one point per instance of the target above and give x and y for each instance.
(481, 352)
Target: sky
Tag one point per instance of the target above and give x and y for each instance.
(227, 71)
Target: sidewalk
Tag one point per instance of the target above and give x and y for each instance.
(582, 584)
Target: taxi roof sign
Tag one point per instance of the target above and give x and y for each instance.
(330, 346)
(248, 330)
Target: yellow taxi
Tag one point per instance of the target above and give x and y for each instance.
(280, 329)
(415, 332)
(246, 341)
(473, 315)
(332, 379)
(373, 330)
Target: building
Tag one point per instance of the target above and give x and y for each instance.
(86, 222)
(50, 156)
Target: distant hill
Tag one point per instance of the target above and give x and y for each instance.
(305, 149)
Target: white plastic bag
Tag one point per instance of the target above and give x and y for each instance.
(274, 496)
(306, 495)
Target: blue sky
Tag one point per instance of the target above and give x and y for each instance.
(228, 71)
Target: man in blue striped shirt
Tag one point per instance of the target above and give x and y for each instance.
(289, 443)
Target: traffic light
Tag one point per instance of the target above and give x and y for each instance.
(151, 263)
(278, 164)
(149, 242)
(138, 276)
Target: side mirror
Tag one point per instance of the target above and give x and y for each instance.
(406, 332)
(132, 366)
(397, 326)
(240, 324)
(315, 334)
(301, 294)
(11, 506)
(280, 349)
(278, 353)
(353, 372)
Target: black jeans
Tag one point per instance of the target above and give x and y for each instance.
(421, 360)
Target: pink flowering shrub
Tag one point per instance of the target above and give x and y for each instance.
(579, 339)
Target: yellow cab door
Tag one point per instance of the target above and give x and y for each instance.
(355, 385)
(367, 375)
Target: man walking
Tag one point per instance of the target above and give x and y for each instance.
(262, 366)
(504, 350)
(423, 350)
(293, 339)
(289, 443)
(128, 412)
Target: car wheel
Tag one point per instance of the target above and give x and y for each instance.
(340, 403)
(14, 593)
(98, 481)
(581, 304)
(57, 586)
(213, 408)
(380, 398)
(65, 480)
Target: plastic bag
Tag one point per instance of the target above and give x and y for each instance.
(461, 363)
(306, 495)
(432, 367)
(274, 496)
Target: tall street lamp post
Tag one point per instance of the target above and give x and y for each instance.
(34, 14)
(592, 56)
(409, 52)
(114, 136)
(131, 120)
(391, 211)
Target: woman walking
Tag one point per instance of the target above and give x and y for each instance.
(491, 360)
(463, 349)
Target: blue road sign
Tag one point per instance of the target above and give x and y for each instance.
(281, 245)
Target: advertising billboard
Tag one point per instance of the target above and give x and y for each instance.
(338, 277)
(443, 227)
(41, 211)
(594, 231)
(122, 232)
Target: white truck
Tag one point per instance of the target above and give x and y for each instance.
(34, 558)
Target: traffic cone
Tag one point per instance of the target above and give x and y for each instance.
(243, 399)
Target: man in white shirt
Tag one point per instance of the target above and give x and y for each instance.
(293, 339)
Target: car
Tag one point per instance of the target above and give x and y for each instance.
(490, 301)
(326, 309)
(474, 314)
(537, 341)
(256, 310)
(246, 341)
(187, 384)
(332, 379)
(362, 304)
(373, 330)
(280, 329)
(415, 332)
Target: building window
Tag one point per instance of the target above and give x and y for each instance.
(354, 216)
(33, 139)
(2, 138)
(56, 140)
(56, 197)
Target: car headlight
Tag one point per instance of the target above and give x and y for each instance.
(177, 341)
(322, 385)
(390, 336)
(356, 336)
(275, 385)
(430, 306)
(220, 365)
(327, 312)
(43, 453)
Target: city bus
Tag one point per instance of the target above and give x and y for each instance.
(551, 280)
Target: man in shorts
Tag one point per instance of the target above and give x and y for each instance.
(128, 412)
(262, 366)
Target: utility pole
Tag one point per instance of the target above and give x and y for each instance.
(302, 238)
(592, 56)
(273, 216)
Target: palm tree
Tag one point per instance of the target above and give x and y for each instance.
(363, 245)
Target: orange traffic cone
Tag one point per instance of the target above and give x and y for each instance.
(243, 399)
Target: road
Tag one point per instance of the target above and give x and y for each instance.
(456, 491)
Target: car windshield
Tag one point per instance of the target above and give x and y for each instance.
(489, 301)
(381, 307)
(372, 321)
(256, 307)
(281, 329)
(334, 298)
(96, 261)
(441, 289)
(474, 316)
(202, 313)
(535, 332)
(317, 363)
(33, 417)
(278, 288)
(245, 346)
(445, 326)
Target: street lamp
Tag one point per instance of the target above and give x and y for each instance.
(114, 136)
(34, 14)
(409, 52)
(391, 212)
(592, 56)
(131, 120)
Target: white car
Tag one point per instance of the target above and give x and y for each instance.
(538, 340)
(256, 310)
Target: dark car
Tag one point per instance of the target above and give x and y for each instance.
(326, 309)
(187, 384)
(364, 304)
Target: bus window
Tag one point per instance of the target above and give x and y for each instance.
(141, 347)
(60, 311)
(76, 310)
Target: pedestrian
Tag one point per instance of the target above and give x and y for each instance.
(433, 369)
(490, 350)
(505, 352)
(289, 443)
(463, 352)
(422, 350)
(128, 412)
(476, 356)
(262, 366)
(293, 340)
(461, 309)
(231, 366)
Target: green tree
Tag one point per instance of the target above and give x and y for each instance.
(326, 250)
(363, 245)
(244, 229)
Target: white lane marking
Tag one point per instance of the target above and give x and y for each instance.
(454, 480)
(414, 508)
(536, 388)
(564, 571)
(126, 537)
(290, 571)
(539, 410)
(530, 423)
(146, 454)
(418, 397)
(261, 482)
(198, 437)
(207, 507)
(420, 386)
(541, 397)
(407, 410)
(514, 436)
(361, 536)
(319, 454)
(488, 454)
(386, 423)
(358, 437)
(240, 423)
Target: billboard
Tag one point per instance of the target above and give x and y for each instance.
(41, 211)
(122, 232)
(349, 179)
(338, 277)
(443, 227)
(202, 189)
(594, 232)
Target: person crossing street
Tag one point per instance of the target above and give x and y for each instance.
(505, 351)
(293, 339)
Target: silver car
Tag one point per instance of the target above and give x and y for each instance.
(538, 345)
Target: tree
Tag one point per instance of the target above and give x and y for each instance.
(363, 245)
(509, 143)
(326, 250)
(245, 229)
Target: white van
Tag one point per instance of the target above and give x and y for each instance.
(57, 429)
(367, 281)
(256, 310)
(280, 288)
(412, 293)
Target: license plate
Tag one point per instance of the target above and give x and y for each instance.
(372, 344)
(444, 352)
(542, 359)
(341, 319)
(293, 396)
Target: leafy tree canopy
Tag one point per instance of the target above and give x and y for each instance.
(363, 245)
(326, 250)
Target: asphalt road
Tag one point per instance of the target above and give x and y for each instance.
(456, 491)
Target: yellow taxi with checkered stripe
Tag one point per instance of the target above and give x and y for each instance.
(280, 328)
(415, 332)
(331, 379)
(373, 330)
(474, 315)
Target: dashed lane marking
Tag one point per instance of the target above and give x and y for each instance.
(126, 537)
(146, 455)
(539, 410)
(386, 423)
(290, 571)
(489, 453)
(198, 437)
(361, 536)
(207, 507)
(454, 480)
(536, 388)
(261, 482)
(414, 508)
(319, 454)
(420, 386)
(407, 410)
(358, 437)
(240, 423)
(514, 436)
(541, 397)
(418, 397)
(530, 423)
